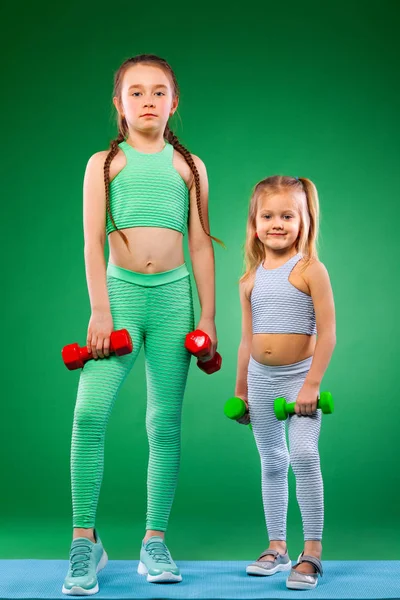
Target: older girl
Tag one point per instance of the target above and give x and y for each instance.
(142, 194)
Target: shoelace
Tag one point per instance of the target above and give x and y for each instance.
(159, 552)
(79, 558)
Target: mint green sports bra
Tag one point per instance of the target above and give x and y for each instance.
(148, 192)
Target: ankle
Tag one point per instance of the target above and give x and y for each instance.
(151, 532)
(278, 545)
(80, 532)
(313, 547)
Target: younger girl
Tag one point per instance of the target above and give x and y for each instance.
(142, 193)
(286, 299)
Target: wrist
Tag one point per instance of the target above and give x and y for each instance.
(241, 391)
(207, 317)
(312, 383)
(100, 310)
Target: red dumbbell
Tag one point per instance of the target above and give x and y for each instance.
(198, 343)
(74, 356)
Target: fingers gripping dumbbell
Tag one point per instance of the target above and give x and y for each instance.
(282, 409)
(75, 356)
(198, 343)
(235, 408)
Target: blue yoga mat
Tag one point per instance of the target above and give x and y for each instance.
(203, 580)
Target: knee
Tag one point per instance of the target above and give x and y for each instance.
(275, 462)
(304, 459)
(163, 432)
(89, 418)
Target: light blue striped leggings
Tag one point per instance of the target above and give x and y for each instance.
(265, 383)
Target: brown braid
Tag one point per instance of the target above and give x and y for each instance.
(113, 152)
(172, 139)
(123, 131)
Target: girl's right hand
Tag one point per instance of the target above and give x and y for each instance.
(98, 336)
(245, 420)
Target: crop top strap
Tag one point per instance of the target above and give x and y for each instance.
(288, 267)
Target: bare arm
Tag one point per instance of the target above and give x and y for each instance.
(202, 256)
(245, 343)
(318, 281)
(321, 292)
(94, 209)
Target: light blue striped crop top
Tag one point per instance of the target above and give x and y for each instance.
(277, 306)
(148, 192)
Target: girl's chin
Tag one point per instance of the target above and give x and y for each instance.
(281, 245)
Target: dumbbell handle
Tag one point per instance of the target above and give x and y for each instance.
(282, 409)
(75, 356)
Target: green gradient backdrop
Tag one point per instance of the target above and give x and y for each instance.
(291, 89)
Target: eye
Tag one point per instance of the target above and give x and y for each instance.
(136, 94)
(162, 93)
(288, 217)
(266, 216)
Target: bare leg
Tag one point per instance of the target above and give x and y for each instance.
(151, 532)
(86, 533)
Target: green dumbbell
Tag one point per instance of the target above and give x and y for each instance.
(282, 409)
(235, 408)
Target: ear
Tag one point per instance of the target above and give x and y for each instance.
(174, 106)
(117, 105)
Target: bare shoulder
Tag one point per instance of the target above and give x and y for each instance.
(98, 158)
(312, 265)
(313, 271)
(96, 163)
(246, 287)
(201, 167)
(185, 171)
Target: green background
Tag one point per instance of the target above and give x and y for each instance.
(294, 88)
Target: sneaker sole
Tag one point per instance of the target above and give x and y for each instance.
(164, 577)
(254, 570)
(79, 591)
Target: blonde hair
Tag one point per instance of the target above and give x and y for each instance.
(306, 243)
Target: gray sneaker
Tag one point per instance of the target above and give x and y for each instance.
(304, 581)
(281, 562)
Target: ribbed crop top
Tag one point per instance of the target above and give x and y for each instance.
(148, 192)
(277, 306)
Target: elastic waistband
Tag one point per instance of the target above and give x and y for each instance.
(147, 279)
(277, 371)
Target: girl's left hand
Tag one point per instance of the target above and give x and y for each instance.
(306, 403)
(208, 326)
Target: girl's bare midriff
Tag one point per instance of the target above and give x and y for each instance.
(152, 249)
(284, 348)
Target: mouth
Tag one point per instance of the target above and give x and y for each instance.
(276, 234)
(148, 115)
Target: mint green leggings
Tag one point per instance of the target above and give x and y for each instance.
(157, 310)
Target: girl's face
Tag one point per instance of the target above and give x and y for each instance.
(147, 99)
(278, 220)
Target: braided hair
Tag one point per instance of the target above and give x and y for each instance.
(153, 60)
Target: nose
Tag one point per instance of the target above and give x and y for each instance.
(277, 225)
(149, 103)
